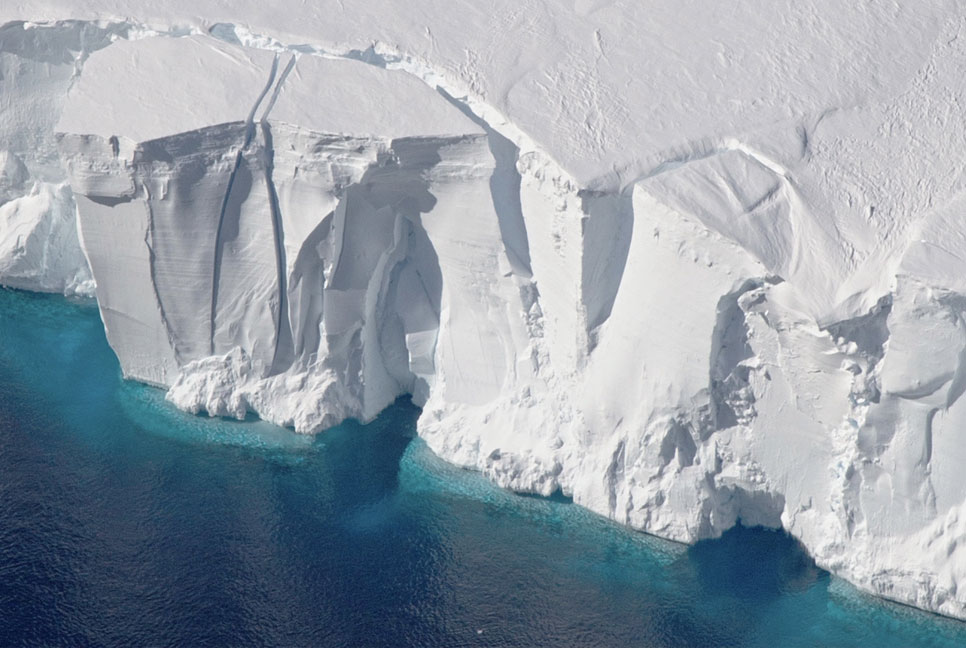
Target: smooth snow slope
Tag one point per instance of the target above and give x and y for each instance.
(686, 263)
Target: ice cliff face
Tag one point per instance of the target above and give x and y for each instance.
(265, 255)
(764, 319)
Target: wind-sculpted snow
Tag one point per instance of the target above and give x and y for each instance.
(600, 258)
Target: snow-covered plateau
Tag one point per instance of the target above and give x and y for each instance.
(684, 261)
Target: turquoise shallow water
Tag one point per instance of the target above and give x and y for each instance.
(125, 522)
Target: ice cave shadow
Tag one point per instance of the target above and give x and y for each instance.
(379, 446)
(556, 497)
(754, 564)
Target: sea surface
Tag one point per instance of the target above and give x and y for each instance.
(124, 522)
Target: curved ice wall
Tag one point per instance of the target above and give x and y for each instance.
(700, 338)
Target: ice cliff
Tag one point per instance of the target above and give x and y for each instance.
(684, 269)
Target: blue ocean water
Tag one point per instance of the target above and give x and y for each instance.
(124, 522)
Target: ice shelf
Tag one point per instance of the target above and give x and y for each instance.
(686, 263)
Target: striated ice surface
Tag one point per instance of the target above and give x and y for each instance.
(684, 263)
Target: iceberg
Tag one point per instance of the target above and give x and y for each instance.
(640, 255)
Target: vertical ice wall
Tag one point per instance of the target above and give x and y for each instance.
(317, 238)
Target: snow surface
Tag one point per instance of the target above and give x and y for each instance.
(687, 262)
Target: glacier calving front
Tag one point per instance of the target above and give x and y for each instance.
(725, 301)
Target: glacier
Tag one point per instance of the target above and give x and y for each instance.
(684, 263)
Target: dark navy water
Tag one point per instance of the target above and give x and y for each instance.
(124, 522)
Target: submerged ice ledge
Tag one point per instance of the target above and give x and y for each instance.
(308, 238)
